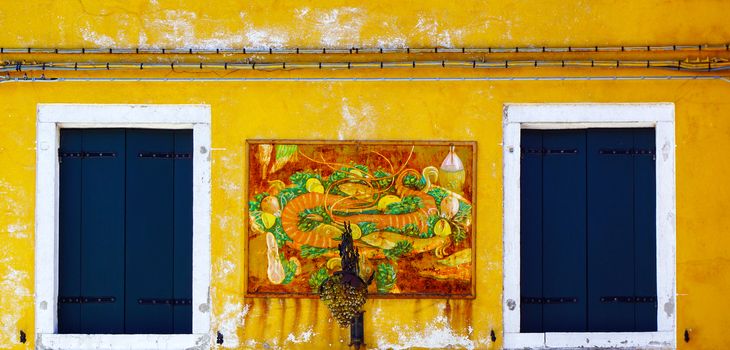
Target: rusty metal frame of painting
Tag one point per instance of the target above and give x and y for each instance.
(411, 205)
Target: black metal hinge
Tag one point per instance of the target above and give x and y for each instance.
(627, 151)
(549, 151)
(86, 300)
(627, 299)
(164, 155)
(558, 300)
(174, 302)
(62, 155)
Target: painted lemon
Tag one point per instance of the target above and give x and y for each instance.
(334, 264)
(442, 228)
(268, 219)
(384, 202)
(356, 232)
(357, 172)
(314, 185)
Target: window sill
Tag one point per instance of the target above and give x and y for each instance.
(123, 341)
(628, 340)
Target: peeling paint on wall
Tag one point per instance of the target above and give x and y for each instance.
(176, 27)
(232, 317)
(437, 334)
(223, 269)
(357, 122)
(13, 212)
(12, 290)
(393, 42)
(426, 23)
(99, 40)
(303, 337)
(440, 38)
(340, 27)
(17, 231)
(266, 38)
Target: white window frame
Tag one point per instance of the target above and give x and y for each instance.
(592, 115)
(53, 117)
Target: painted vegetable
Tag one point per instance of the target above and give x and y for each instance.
(449, 206)
(275, 270)
(275, 187)
(270, 205)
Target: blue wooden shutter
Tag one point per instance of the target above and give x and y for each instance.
(552, 253)
(183, 236)
(102, 233)
(125, 235)
(622, 232)
(531, 226)
(610, 230)
(98, 171)
(69, 249)
(563, 220)
(588, 230)
(150, 231)
(645, 277)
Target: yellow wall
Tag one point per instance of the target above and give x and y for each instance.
(379, 110)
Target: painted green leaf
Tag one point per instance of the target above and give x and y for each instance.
(401, 248)
(367, 227)
(290, 269)
(310, 252)
(317, 278)
(408, 204)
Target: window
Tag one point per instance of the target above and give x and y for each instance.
(589, 225)
(125, 231)
(132, 124)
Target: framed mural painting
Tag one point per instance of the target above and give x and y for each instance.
(411, 205)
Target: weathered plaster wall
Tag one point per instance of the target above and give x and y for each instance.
(17, 199)
(380, 110)
(343, 23)
(373, 110)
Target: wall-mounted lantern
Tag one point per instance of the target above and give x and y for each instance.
(345, 292)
